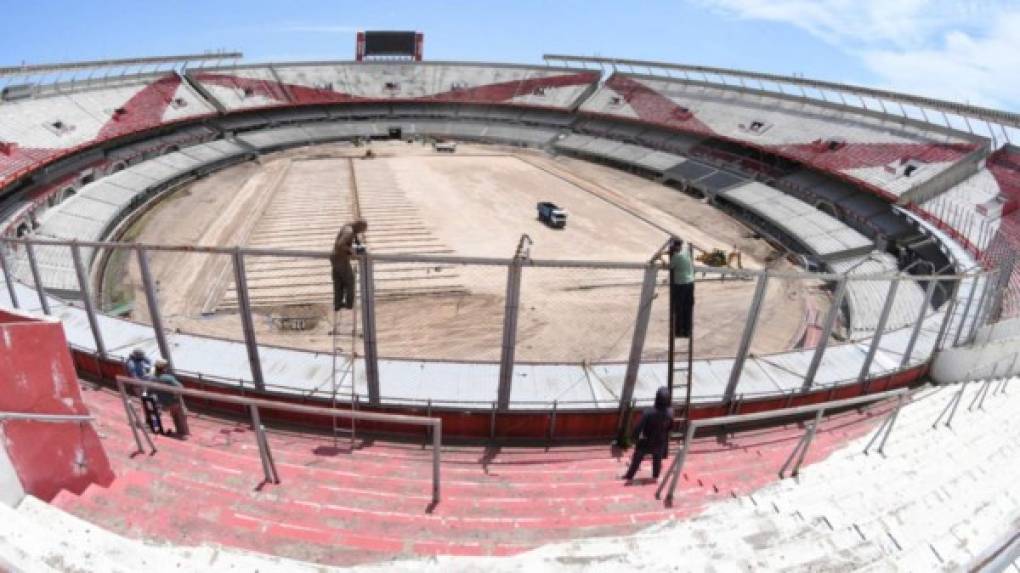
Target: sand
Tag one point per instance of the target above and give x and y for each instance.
(475, 203)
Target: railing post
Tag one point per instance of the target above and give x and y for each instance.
(745, 341)
(132, 419)
(637, 344)
(982, 301)
(437, 444)
(33, 266)
(828, 326)
(86, 299)
(152, 300)
(947, 319)
(260, 439)
(506, 362)
(966, 310)
(673, 474)
(876, 338)
(5, 268)
(244, 307)
(916, 331)
(1006, 267)
(368, 327)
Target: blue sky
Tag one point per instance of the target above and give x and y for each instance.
(961, 50)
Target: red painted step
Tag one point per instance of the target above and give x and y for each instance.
(341, 507)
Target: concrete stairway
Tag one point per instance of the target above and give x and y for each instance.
(938, 500)
(341, 507)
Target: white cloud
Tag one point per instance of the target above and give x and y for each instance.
(965, 51)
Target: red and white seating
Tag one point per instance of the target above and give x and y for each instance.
(63, 118)
(302, 84)
(889, 157)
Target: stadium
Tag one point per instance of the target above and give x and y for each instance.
(843, 400)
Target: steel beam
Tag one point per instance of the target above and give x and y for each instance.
(5, 268)
(244, 307)
(745, 341)
(368, 328)
(876, 339)
(86, 299)
(637, 343)
(152, 300)
(916, 331)
(828, 326)
(510, 314)
(966, 309)
(33, 265)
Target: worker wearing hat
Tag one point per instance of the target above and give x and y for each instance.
(170, 401)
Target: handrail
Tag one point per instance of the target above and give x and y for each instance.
(52, 418)
(435, 424)
(673, 474)
(964, 110)
(489, 261)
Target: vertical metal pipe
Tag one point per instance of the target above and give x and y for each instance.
(256, 426)
(368, 327)
(244, 307)
(506, 362)
(950, 310)
(152, 301)
(637, 344)
(876, 339)
(828, 326)
(978, 321)
(966, 309)
(745, 341)
(86, 298)
(916, 331)
(5, 268)
(437, 444)
(128, 413)
(33, 265)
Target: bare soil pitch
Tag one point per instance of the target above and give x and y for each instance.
(475, 203)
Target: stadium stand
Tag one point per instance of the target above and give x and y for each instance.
(865, 298)
(494, 503)
(310, 84)
(823, 236)
(903, 508)
(935, 500)
(96, 208)
(60, 119)
(892, 159)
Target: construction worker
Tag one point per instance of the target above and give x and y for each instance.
(735, 255)
(651, 435)
(170, 401)
(138, 365)
(681, 289)
(343, 274)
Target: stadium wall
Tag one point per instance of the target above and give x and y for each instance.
(37, 376)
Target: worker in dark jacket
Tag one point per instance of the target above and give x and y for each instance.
(651, 435)
(343, 274)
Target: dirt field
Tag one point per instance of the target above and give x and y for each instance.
(475, 203)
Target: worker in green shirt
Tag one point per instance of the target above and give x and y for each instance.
(681, 289)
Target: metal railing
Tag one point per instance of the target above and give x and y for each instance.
(434, 425)
(956, 327)
(796, 457)
(904, 107)
(49, 418)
